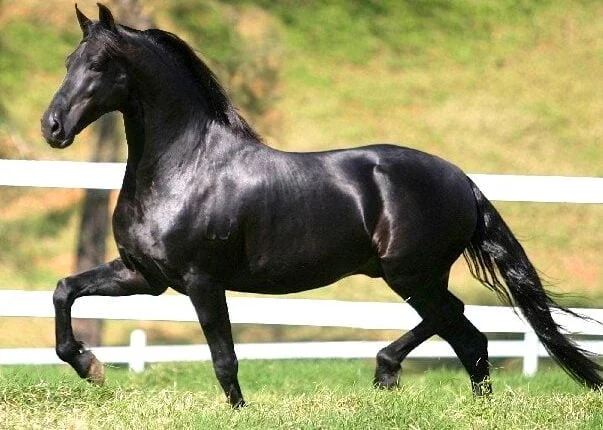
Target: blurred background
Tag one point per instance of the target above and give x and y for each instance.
(496, 86)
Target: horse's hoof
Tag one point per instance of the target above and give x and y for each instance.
(386, 380)
(482, 389)
(387, 371)
(239, 405)
(96, 372)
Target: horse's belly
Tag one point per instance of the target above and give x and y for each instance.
(282, 285)
(284, 273)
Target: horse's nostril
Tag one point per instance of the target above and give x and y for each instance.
(55, 126)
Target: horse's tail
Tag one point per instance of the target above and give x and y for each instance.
(494, 252)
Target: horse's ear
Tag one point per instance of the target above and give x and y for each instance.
(106, 18)
(83, 20)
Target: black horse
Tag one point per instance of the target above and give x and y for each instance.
(206, 207)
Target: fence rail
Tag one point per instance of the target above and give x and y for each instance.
(519, 188)
(325, 313)
(245, 310)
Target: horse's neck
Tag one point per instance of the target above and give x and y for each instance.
(134, 128)
(159, 149)
(169, 129)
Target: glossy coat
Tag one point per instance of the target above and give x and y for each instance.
(206, 207)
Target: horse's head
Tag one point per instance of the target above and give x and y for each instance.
(96, 82)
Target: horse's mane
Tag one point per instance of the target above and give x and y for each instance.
(221, 108)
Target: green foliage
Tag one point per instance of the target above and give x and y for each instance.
(248, 66)
(29, 53)
(30, 47)
(209, 26)
(411, 31)
(333, 394)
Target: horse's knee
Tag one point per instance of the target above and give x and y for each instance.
(62, 294)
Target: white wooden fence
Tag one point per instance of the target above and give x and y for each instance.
(326, 313)
(294, 312)
(516, 188)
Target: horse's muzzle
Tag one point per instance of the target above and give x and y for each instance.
(54, 131)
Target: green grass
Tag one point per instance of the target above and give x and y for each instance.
(329, 394)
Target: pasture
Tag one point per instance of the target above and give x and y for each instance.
(308, 394)
(495, 88)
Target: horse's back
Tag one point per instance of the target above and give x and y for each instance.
(331, 214)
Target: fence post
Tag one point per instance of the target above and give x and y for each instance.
(530, 354)
(138, 342)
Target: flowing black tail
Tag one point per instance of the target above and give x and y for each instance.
(494, 252)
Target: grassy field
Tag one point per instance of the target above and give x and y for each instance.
(496, 86)
(291, 395)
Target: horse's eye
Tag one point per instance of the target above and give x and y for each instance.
(98, 66)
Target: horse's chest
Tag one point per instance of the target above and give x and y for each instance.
(146, 237)
(175, 241)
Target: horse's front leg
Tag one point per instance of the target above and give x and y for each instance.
(111, 279)
(209, 299)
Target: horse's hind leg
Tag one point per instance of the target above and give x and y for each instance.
(389, 359)
(111, 279)
(470, 346)
(442, 314)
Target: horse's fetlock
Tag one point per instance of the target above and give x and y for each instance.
(385, 360)
(67, 351)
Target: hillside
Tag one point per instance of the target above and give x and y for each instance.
(494, 86)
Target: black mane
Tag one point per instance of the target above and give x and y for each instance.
(220, 107)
